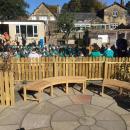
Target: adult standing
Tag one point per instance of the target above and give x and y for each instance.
(41, 42)
(122, 45)
(23, 39)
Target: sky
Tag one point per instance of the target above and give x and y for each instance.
(35, 3)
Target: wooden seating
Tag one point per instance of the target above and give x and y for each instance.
(110, 83)
(40, 85)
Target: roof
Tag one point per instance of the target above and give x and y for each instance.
(128, 19)
(115, 3)
(50, 8)
(84, 16)
(88, 17)
(53, 8)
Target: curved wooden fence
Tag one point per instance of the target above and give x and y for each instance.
(92, 68)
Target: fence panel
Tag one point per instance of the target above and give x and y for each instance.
(7, 88)
(91, 68)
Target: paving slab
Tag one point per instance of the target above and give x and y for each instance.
(107, 115)
(22, 105)
(91, 110)
(42, 129)
(100, 101)
(114, 107)
(128, 128)
(33, 121)
(61, 101)
(81, 99)
(62, 115)
(127, 119)
(95, 127)
(112, 125)
(67, 125)
(11, 116)
(83, 128)
(44, 108)
(9, 127)
(76, 110)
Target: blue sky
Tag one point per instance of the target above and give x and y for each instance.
(34, 3)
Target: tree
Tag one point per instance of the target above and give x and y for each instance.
(12, 9)
(83, 6)
(128, 7)
(65, 23)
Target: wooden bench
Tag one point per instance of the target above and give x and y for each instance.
(40, 85)
(112, 83)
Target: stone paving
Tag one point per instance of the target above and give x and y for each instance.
(74, 111)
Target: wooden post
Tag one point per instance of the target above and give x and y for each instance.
(12, 95)
(55, 67)
(105, 70)
(73, 66)
(7, 94)
(67, 89)
(51, 88)
(67, 67)
(25, 94)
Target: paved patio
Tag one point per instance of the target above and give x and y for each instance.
(74, 111)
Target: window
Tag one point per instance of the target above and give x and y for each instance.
(113, 25)
(52, 18)
(30, 31)
(35, 31)
(27, 30)
(17, 29)
(34, 18)
(115, 13)
(23, 29)
(43, 18)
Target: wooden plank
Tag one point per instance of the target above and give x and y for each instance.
(106, 70)
(36, 68)
(90, 68)
(43, 67)
(73, 66)
(2, 91)
(30, 69)
(67, 67)
(64, 67)
(12, 94)
(83, 67)
(33, 68)
(7, 94)
(40, 68)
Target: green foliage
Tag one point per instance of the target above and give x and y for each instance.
(24, 82)
(128, 7)
(65, 23)
(122, 71)
(12, 9)
(83, 6)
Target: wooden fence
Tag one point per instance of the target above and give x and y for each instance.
(92, 68)
(35, 69)
(6, 88)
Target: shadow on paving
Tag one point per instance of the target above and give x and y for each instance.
(122, 100)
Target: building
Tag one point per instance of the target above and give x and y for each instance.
(108, 18)
(45, 12)
(32, 30)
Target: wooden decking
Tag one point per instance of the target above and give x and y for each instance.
(40, 85)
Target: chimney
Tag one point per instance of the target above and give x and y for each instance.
(122, 3)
